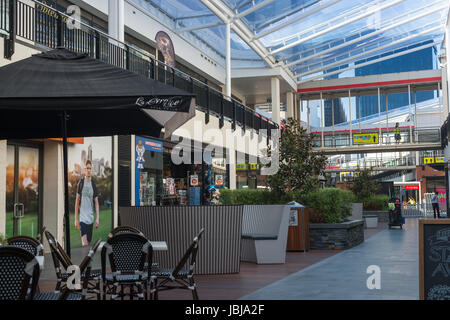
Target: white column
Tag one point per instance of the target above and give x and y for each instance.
(289, 105)
(307, 116)
(445, 92)
(3, 164)
(116, 25)
(350, 116)
(299, 109)
(380, 140)
(322, 120)
(410, 115)
(116, 181)
(275, 84)
(232, 169)
(53, 191)
(447, 59)
(228, 60)
(415, 112)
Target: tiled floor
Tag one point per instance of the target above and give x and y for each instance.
(344, 275)
(251, 278)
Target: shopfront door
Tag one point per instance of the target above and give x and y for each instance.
(23, 189)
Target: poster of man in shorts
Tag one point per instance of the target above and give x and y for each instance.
(86, 200)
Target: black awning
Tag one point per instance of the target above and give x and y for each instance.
(99, 98)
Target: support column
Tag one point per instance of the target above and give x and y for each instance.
(308, 115)
(228, 60)
(275, 83)
(133, 170)
(322, 121)
(299, 109)
(53, 191)
(116, 181)
(350, 116)
(445, 92)
(380, 140)
(359, 108)
(415, 113)
(232, 170)
(116, 25)
(447, 59)
(3, 163)
(289, 105)
(410, 115)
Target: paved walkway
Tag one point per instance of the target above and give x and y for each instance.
(343, 276)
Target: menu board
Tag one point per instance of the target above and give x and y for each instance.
(434, 259)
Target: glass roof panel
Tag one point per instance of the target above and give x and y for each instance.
(307, 34)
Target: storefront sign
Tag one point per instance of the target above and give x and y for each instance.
(219, 180)
(365, 138)
(428, 160)
(439, 159)
(194, 180)
(411, 187)
(175, 103)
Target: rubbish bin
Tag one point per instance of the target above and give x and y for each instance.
(298, 234)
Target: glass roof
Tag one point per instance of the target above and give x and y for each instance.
(308, 37)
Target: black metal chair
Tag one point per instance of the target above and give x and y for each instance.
(128, 254)
(74, 294)
(28, 243)
(19, 273)
(179, 277)
(61, 259)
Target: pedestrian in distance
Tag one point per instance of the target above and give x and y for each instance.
(435, 203)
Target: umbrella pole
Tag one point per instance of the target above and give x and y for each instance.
(64, 119)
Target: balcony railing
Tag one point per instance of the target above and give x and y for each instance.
(46, 28)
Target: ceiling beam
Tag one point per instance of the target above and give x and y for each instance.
(205, 26)
(353, 58)
(422, 14)
(305, 14)
(398, 54)
(374, 9)
(253, 9)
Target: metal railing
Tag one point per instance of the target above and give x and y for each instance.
(50, 31)
(432, 135)
(422, 210)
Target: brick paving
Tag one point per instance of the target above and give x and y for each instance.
(230, 286)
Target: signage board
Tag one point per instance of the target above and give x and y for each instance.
(428, 160)
(365, 138)
(411, 187)
(194, 180)
(434, 248)
(219, 180)
(439, 159)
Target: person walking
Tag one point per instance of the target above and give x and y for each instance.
(435, 204)
(397, 133)
(87, 198)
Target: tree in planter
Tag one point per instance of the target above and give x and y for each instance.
(299, 166)
(363, 185)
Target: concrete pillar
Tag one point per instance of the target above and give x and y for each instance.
(445, 92)
(232, 169)
(133, 170)
(447, 58)
(3, 164)
(275, 84)
(228, 60)
(53, 191)
(289, 105)
(116, 25)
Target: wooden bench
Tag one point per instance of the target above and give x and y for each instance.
(264, 233)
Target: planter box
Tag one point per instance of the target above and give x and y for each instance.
(371, 222)
(346, 235)
(383, 216)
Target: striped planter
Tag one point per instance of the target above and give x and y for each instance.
(219, 248)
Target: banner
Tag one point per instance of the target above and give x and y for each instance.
(165, 45)
(365, 138)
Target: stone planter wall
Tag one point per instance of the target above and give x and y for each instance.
(383, 216)
(341, 236)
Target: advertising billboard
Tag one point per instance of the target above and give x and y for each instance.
(365, 138)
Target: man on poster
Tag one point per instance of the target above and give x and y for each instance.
(87, 196)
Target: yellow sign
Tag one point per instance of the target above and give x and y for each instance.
(365, 138)
(439, 160)
(428, 160)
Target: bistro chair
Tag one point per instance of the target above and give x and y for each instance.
(179, 277)
(124, 229)
(19, 273)
(85, 271)
(61, 259)
(28, 243)
(128, 253)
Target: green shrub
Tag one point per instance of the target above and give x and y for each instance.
(255, 196)
(3, 240)
(332, 204)
(376, 202)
